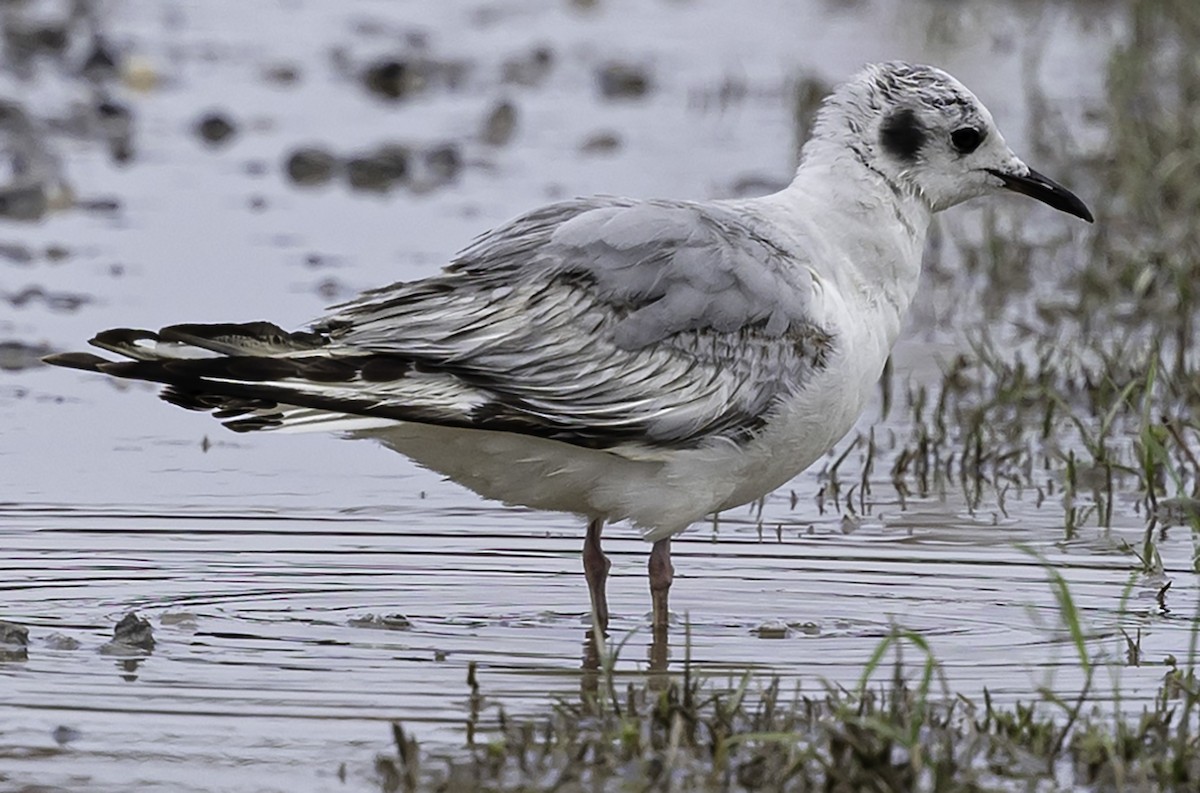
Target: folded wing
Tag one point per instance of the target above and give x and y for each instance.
(607, 323)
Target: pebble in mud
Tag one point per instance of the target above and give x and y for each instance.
(310, 166)
(530, 69)
(378, 171)
(16, 356)
(600, 143)
(390, 78)
(215, 129)
(500, 124)
(131, 634)
(60, 641)
(623, 81)
(64, 302)
(63, 735)
(390, 622)
(444, 162)
(773, 629)
(101, 62)
(115, 124)
(14, 642)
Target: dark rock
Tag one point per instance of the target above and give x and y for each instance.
(64, 735)
(14, 642)
(500, 124)
(134, 631)
(50, 38)
(444, 162)
(623, 81)
(379, 170)
(282, 74)
(115, 126)
(393, 160)
(530, 69)
(24, 202)
(390, 78)
(390, 622)
(310, 166)
(601, 143)
(101, 62)
(16, 356)
(216, 129)
(12, 633)
(60, 641)
(16, 253)
(55, 301)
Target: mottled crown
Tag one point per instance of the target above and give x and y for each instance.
(897, 96)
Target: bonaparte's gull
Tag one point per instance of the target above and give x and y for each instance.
(623, 359)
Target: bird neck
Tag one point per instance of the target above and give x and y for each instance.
(880, 220)
(867, 237)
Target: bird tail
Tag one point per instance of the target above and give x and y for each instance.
(257, 376)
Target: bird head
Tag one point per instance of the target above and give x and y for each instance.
(928, 136)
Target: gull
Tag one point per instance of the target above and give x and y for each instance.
(650, 361)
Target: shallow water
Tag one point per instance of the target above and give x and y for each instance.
(259, 560)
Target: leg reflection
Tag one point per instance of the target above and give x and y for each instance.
(660, 655)
(589, 671)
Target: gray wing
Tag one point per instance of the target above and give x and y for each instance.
(605, 322)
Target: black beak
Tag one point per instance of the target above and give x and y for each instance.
(1046, 190)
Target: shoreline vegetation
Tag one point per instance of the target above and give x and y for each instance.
(899, 729)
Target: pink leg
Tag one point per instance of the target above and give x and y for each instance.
(661, 574)
(595, 569)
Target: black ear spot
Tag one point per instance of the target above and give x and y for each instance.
(966, 139)
(902, 135)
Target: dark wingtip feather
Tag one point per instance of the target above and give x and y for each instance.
(76, 360)
(242, 338)
(120, 337)
(126, 342)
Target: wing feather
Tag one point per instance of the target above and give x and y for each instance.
(609, 322)
(633, 326)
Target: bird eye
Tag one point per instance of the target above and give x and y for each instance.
(966, 139)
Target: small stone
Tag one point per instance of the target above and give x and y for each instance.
(391, 622)
(16, 356)
(179, 619)
(393, 160)
(215, 129)
(139, 74)
(500, 124)
(364, 173)
(1177, 511)
(14, 642)
(444, 162)
(390, 78)
(531, 69)
(134, 631)
(12, 633)
(773, 629)
(101, 62)
(310, 166)
(601, 143)
(282, 74)
(60, 641)
(623, 81)
(57, 253)
(64, 735)
(16, 252)
(379, 170)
